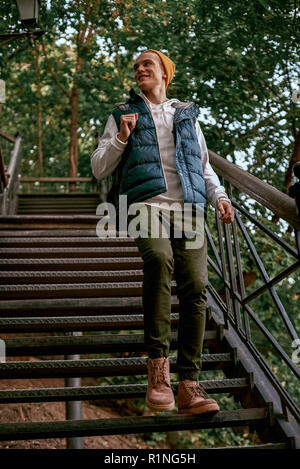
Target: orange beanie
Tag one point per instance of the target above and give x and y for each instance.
(168, 64)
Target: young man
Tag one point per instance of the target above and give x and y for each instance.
(158, 148)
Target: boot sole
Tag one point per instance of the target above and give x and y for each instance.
(208, 409)
(160, 407)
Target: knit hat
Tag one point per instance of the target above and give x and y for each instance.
(168, 64)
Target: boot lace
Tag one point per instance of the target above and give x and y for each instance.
(160, 375)
(198, 390)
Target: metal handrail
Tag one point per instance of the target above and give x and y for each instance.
(235, 305)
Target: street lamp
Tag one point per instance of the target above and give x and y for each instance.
(28, 10)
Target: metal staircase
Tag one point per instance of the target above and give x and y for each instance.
(57, 204)
(58, 278)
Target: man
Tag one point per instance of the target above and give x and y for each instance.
(156, 147)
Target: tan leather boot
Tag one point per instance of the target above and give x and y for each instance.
(159, 392)
(192, 399)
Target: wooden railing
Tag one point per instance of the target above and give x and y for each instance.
(91, 181)
(281, 204)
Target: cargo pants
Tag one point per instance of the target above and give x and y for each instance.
(163, 256)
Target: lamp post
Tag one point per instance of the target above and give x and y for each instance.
(28, 11)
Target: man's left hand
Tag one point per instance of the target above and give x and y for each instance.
(226, 211)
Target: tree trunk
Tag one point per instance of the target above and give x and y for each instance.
(73, 137)
(39, 116)
(85, 33)
(293, 160)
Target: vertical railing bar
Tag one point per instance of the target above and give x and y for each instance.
(232, 277)
(227, 294)
(266, 278)
(281, 242)
(213, 246)
(240, 272)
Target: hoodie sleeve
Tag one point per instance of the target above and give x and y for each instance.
(108, 154)
(214, 189)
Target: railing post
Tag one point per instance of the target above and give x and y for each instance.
(73, 408)
(223, 263)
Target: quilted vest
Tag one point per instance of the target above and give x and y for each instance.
(139, 175)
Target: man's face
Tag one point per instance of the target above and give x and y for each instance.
(148, 71)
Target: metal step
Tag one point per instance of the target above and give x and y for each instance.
(57, 211)
(73, 276)
(20, 220)
(48, 233)
(76, 323)
(49, 221)
(71, 306)
(23, 253)
(105, 343)
(132, 425)
(74, 263)
(99, 367)
(75, 290)
(125, 391)
(65, 241)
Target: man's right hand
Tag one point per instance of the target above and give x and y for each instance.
(127, 124)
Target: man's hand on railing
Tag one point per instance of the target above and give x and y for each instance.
(226, 210)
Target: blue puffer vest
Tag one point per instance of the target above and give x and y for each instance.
(139, 175)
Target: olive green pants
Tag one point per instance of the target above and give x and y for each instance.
(162, 256)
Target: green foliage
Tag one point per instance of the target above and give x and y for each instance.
(237, 61)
